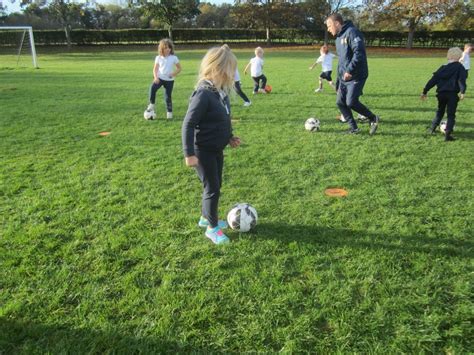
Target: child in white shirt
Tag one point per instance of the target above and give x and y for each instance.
(326, 62)
(164, 73)
(466, 59)
(256, 71)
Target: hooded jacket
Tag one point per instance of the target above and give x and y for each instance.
(350, 49)
(450, 77)
(207, 125)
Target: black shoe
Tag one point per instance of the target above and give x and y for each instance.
(374, 125)
(352, 131)
(449, 138)
(431, 130)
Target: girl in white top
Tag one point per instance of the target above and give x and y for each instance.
(466, 59)
(166, 68)
(256, 71)
(326, 62)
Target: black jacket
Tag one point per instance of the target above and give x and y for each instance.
(207, 125)
(350, 49)
(450, 77)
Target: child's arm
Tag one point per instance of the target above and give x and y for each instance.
(461, 60)
(196, 112)
(246, 68)
(177, 71)
(432, 82)
(156, 79)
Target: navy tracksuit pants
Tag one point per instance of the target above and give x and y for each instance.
(449, 101)
(209, 170)
(168, 84)
(348, 94)
(256, 82)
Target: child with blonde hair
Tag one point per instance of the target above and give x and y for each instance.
(207, 130)
(450, 80)
(325, 59)
(256, 71)
(166, 68)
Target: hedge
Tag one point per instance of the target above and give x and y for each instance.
(435, 39)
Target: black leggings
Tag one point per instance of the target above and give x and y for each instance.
(239, 91)
(168, 84)
(447, 101)
(256, 82)
(209, 170)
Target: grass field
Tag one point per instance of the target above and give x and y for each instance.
(99, 248)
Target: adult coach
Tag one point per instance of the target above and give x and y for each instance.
(352, 71)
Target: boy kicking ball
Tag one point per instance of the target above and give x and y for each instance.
(450, 80)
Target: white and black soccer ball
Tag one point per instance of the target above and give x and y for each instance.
(242, 217)
(312, 124)
(149, 115)
(342, 118)
(443, 125)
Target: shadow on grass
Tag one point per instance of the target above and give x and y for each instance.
(25, 337)
(335, 238)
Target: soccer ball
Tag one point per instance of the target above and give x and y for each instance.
(442, 126)
(268, 89)
(242, 217)
(312, 124)
(149, 115)
(342, 118)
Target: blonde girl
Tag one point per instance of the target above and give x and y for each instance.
(207, 130)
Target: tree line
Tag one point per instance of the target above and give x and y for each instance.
(370, 15)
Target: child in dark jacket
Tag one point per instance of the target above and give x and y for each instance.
(450, 80)
(207, 130)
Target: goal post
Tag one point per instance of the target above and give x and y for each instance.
(25, 29)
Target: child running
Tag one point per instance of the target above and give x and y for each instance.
(326, 62)
(256, 72)
(466, 59)
(238, 89)
(166, 68)
(207, 130)
(450, 79)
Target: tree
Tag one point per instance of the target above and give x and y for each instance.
(169, 11)
(411, 13)
(66, 12)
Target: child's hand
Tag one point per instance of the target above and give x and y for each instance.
(234, 142)
(191, 161)
(156, 81)
(423, 97)
(461, 97)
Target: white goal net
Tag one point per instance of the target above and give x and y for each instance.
(17, 46)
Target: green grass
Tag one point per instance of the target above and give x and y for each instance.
(99, 248)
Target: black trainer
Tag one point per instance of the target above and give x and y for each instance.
(352, 131)
(374, 125)
(431, 130)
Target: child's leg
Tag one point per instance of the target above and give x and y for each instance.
(239, 91)
(153, 89)
(320, 84)
(255, 84)
(209, 171)
(442, 103)
(264, 81)
(168, 91)
(452, 105)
